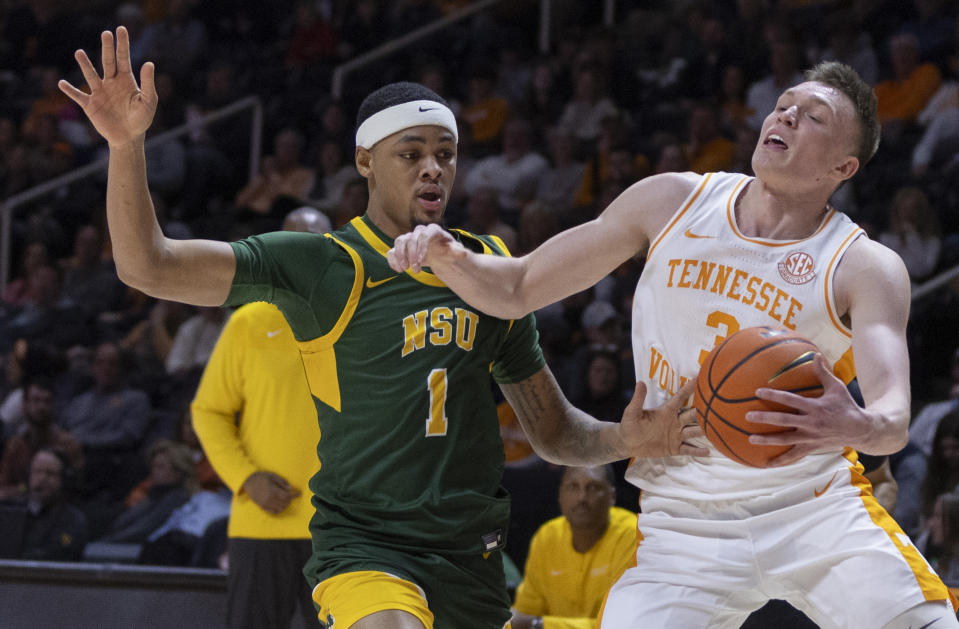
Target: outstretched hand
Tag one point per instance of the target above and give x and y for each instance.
(831, 421)
(120, 110)
(427, 245)
(662, 431)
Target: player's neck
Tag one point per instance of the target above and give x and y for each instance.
(764, 212)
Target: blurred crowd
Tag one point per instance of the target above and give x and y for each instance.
(103, 375)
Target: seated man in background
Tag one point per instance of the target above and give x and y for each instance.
(40, 431)
(50, 528)
(574, 559)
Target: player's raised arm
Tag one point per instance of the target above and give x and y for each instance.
(565, 264)
(193, 271)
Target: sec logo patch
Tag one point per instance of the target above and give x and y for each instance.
(797, 267)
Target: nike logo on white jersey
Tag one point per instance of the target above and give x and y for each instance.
(273, 333)
(689, 234)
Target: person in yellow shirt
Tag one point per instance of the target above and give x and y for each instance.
(256, 421)
(574, 559)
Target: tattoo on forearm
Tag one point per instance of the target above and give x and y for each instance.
(561, 431)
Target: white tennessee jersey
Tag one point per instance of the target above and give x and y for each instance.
(703, 280)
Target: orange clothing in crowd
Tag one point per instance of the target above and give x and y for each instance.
(486, 118)
(903, 100)
(717, 155)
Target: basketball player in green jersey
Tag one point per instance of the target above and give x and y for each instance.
(409, 510)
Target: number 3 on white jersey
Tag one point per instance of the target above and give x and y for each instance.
(718, 319)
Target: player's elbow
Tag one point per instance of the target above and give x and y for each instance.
(141, 277)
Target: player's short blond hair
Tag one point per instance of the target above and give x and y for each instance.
(848, 81)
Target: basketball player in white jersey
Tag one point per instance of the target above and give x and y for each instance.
(725, 251)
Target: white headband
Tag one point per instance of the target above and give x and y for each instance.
(403, 116)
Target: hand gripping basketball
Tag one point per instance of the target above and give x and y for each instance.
(730, 407)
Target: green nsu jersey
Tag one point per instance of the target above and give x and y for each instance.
(399, 367)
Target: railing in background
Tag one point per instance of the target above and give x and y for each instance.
(933, 284)
(365, 59)
(21, 198)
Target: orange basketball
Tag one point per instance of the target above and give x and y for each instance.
(726, 388)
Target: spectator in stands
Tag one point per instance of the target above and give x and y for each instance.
(575, 558)
(149, 342)
(483, 216)
(704, 75)
(110, 420)
(672, 158)
(942, 472)
(50, 316)
(19, 291)
(332, 125)
(604, 397)
(932, 24)
(256, 421)
(785, 63)
(194, 340)
(177, 541)
(513, 172)
(733, 110)
(40, 431)
(312, 41)
(171, 485)
(363, 27)
(334, 173)
(938, 148)
(283, 180)
(913, 232)
(25, 361)
(46, 153)
(538, 222)
(484, 110)
(545, 97)
(912, 84)
(939, 543)
(589, 106)
(54, 529)
(204, 475)
(176, 43)
(433, 74)
(707, 150)
(846, 42)
(924, 424)
(51, 101)
(217, 153)
(352, 202)
(745, 138)
(12, 172)
(908, 469)
(613, 164)
(89, 281)
(559, 184)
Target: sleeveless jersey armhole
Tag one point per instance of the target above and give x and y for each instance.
(319, 357)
